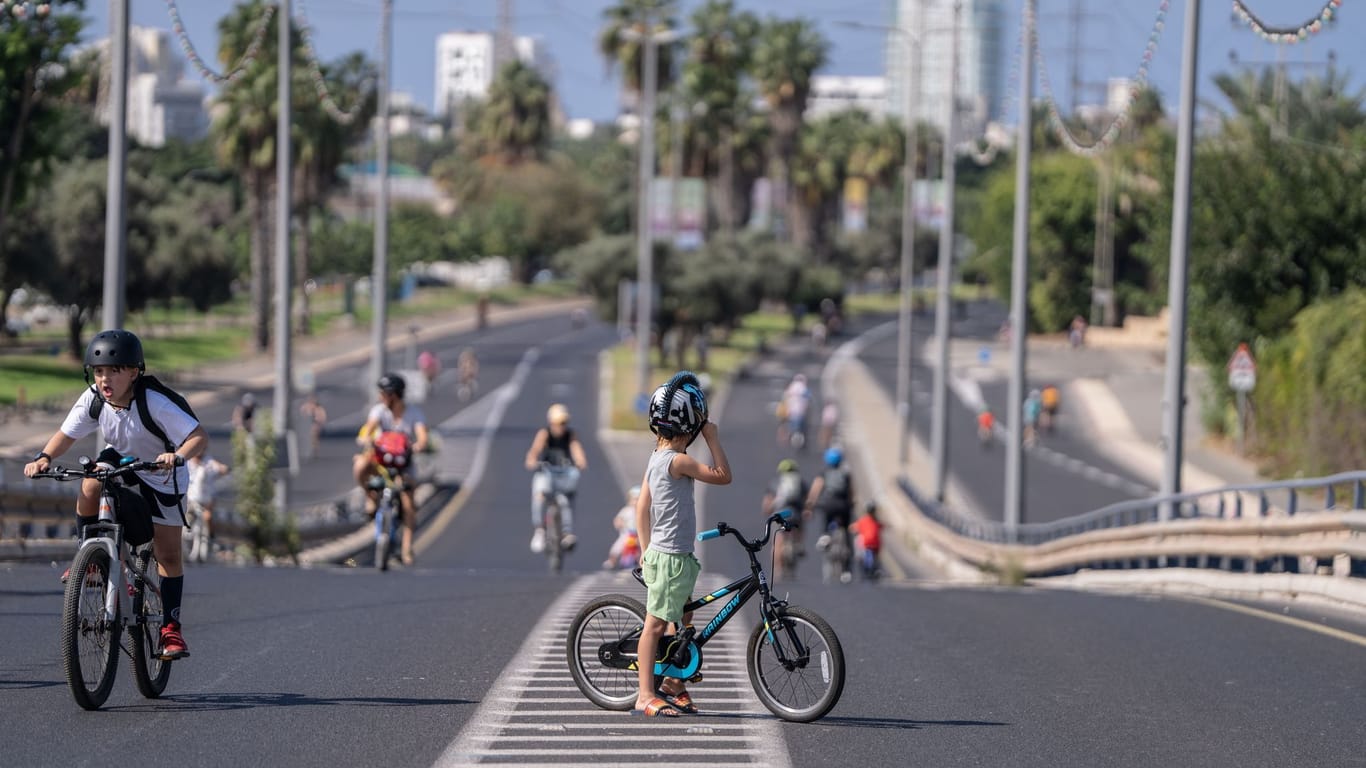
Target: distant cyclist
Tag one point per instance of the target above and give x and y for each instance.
(1050, 398)
(795, 402)
(832, 494)
(986, 424)
(467, 373)
(391, 414)
(1033, 407)
(787, 491)
(557, 457)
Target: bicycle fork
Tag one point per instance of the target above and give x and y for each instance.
(775, 638)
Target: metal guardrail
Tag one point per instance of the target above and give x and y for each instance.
(1239, 527)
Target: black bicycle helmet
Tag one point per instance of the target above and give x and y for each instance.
(115, 347)
(393, 383)
(678, 407)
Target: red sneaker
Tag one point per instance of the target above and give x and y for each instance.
(172, 644)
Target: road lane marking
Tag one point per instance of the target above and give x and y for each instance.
(522, 721)
(1333, 632)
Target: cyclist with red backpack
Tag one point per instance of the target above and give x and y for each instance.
(139, 417)
(392, 432)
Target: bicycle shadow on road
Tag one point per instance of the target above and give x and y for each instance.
(212, 702)
(862, 722)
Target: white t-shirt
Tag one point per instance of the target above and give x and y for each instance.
(203, 481)
(412, 416)
(124, 432)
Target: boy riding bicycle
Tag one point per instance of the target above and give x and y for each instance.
(666, 518)
(391, 414)
(113, 364)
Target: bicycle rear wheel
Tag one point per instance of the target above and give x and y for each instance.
(601, 648)
(89, 642)
(149, 670)
(554, 549)
(809, 684)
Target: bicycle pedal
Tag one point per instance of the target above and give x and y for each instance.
(697, 678)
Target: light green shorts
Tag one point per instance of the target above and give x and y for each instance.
(669, 580)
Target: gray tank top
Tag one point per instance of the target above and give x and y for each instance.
(673, 515)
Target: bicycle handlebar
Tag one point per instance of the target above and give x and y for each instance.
(755, 545)
(89, 469)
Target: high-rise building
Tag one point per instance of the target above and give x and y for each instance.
(465, 66)
(981, 61)
(162, 103)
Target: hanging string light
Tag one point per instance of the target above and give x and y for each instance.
(249, 56)
(988, 156)
(1120, 120)
(1287, 34)
(345, 117)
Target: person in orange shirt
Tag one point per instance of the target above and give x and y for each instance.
(868, 529)
(985, 424)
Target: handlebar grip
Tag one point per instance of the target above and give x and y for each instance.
(787, 514)
(711, 534)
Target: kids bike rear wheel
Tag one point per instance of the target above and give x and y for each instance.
(601, 648)
(89, 641)
(809, 683)
(149, 670)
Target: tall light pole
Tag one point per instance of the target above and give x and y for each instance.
(650, 41)
(939, 432)
(1019, 283)
(116, 209)
(379, 280)
(280, 415)
(1174, 390)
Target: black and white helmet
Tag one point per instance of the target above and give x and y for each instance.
(678, 407)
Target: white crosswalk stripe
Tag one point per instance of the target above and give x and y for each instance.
(534, 715)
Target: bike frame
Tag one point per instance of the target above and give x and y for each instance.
(107, 533)
(741, 591)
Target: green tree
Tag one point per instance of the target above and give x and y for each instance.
(786, 56)
(33, 49)
(73, 213)
(244, 131)
(190, 256)
(619, 47)
(513, 123)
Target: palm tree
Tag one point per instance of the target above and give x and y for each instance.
(719, 52)
(619, 49)
(245, 133)
(786, 57)
(513, 124)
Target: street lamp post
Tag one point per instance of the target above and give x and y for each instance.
(939, 431)
(379, 279)
(116, 210)
(650, 41)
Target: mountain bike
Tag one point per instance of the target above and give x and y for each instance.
(794, 659)
(113, 585)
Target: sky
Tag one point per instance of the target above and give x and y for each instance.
(1114, 33)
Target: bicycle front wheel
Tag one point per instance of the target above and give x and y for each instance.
(796, 665)
(554, 548)
(384, 537)
(89, 641)
(601, 648)
(149, 670)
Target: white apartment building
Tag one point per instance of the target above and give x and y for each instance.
(982, 54)
(465, 66)
(162, 103)
(838, 93)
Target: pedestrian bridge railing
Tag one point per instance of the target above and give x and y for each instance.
(1306, 526)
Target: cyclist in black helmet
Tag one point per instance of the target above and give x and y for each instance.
(131, 414)
(391, 414)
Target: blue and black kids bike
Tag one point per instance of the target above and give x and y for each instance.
(794, 659)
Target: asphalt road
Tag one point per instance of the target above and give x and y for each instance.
(456, 660)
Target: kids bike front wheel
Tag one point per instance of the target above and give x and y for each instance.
(89, 640)
(601, 648)
(149, 670)
(796, 665)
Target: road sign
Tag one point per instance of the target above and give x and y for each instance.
(1242, 370)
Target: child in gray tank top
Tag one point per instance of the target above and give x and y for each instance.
(666, 518)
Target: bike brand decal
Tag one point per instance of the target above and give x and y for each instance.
(721, 615)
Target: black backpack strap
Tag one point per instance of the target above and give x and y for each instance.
(97, 404)
(145, 413)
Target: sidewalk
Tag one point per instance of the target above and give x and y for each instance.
(319, 353)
